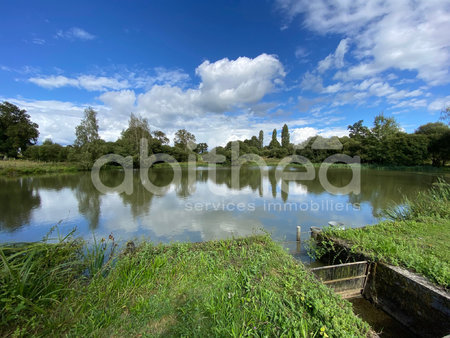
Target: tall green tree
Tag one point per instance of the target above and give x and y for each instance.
(17, 131)
(87, 131)
(201, 148)
(138, 129)
(160, 136)
(285, 139)
(261, 139)
(438, 135)
(129, 143)
(274, 145)
(358, 130)
(184, 139)
(384, 127)
(87, 143)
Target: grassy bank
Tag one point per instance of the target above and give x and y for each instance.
(247, 286)
(417, 237)
(24, 167)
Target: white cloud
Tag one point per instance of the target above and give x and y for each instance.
(120, 103)
(138, 79)
(216, 110)
(414, 103)
(53, 81)
(439, 104)
(338, 131)
(335, 60)
(226, 83)
(88, 82)
(401, 34)
(314, 82)
(75, 33)
(38, 41)
(301, 52)
(298, 135)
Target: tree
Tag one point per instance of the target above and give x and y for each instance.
(201, 148)
(432, 128)
(438, 146)
(87, 131)
(137, 129)
(87, 142)
(445, 115)
(17, 131)
(285, 136)
(261, 139)
(184, 139)
(384, 127)
(161, 137)
(358, 130)
(274, 143)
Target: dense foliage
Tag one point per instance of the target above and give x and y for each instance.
(17, 131)
(382, 144)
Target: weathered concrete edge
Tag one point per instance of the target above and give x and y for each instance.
(420, 280)
(408, 297)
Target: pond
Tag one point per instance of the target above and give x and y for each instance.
(202, 205)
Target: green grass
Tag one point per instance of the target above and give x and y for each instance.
(421, 246)
(241, 287)
(25, 167)
(417, 237)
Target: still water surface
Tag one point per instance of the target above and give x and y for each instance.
(202, 208)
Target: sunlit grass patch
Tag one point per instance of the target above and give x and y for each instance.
(249, 286)
(417, 237)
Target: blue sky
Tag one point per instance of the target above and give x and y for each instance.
(225, 69)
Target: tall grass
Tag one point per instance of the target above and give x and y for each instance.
(432, 203)
(99, 255)
(243, 287)
(34, 277)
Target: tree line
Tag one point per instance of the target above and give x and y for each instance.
(383, 143)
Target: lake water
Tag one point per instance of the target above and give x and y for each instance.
(203, 206)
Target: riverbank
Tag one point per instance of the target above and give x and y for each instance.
(25, 167)
(417, 237)
(248, 286)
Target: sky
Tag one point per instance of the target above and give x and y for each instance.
(224, 70)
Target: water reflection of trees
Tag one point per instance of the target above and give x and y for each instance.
(140, 200)
(383, 189)
(20, 196)
(380, 188)
(17, 200)
(88, 197)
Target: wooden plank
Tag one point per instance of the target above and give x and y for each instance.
(350, 293)
(338, 265)
(342, 279)
(337, 272)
